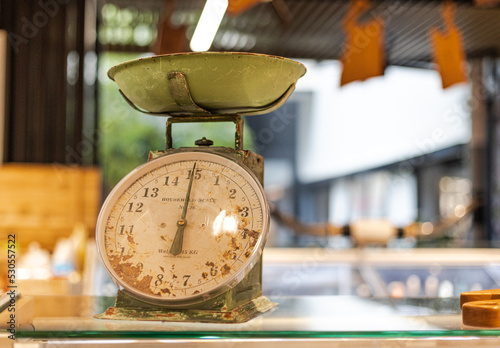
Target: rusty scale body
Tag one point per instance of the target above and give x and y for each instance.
(182, 235)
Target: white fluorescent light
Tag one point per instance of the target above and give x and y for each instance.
(207, 26)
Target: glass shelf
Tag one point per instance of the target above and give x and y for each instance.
(295, 317)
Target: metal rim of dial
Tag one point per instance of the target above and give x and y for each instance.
(140, 173)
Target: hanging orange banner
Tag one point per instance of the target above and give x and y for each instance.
(237, 7)
(170, 39)
(448, 51)
(487, 3)
(363, 55)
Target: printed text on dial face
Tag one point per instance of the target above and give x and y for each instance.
(223, 225)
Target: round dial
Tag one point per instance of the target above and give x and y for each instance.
(183, 228)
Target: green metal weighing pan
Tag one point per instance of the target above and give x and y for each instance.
(209, 83)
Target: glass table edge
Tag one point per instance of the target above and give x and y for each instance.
(253, 334)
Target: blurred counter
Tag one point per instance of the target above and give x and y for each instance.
(380, 272)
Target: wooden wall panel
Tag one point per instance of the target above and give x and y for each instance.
(45, 202)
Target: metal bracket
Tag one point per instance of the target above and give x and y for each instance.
(179, 90)
(238, 135)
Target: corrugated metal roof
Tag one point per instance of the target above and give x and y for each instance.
(315, 32)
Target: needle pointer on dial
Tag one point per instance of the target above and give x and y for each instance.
(176, 247)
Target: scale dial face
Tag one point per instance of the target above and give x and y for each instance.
(183, 228)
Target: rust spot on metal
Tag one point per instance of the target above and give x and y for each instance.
(244, 222)
(130, 239)
(162, 269)
(204, 275)
(166, 315)
(233, 244)
(225, 269)
(196, 292)
(254, 235)
(110, 311)
(165, 291)
(247, 254)
(130, 273)
(144, 284)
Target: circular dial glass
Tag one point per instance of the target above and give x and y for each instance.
(183, 228)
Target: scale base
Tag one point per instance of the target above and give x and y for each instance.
(239, 314)
(238, 305)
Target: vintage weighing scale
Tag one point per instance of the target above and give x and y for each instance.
(182, 235)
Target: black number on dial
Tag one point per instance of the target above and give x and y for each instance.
(159, 280)
(154, 190)
(138, 209)
(197, 174)
(175, 181)
(243, 211)
(122, 229)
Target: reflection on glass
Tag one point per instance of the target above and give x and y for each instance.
(225, 223)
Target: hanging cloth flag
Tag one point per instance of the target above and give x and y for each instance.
(170, 39)
(487, 3)
(237, 7)
(447, 48)
(363, 55)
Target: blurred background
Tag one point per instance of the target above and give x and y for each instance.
(381, 148)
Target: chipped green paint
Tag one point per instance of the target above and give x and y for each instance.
(240, 314)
